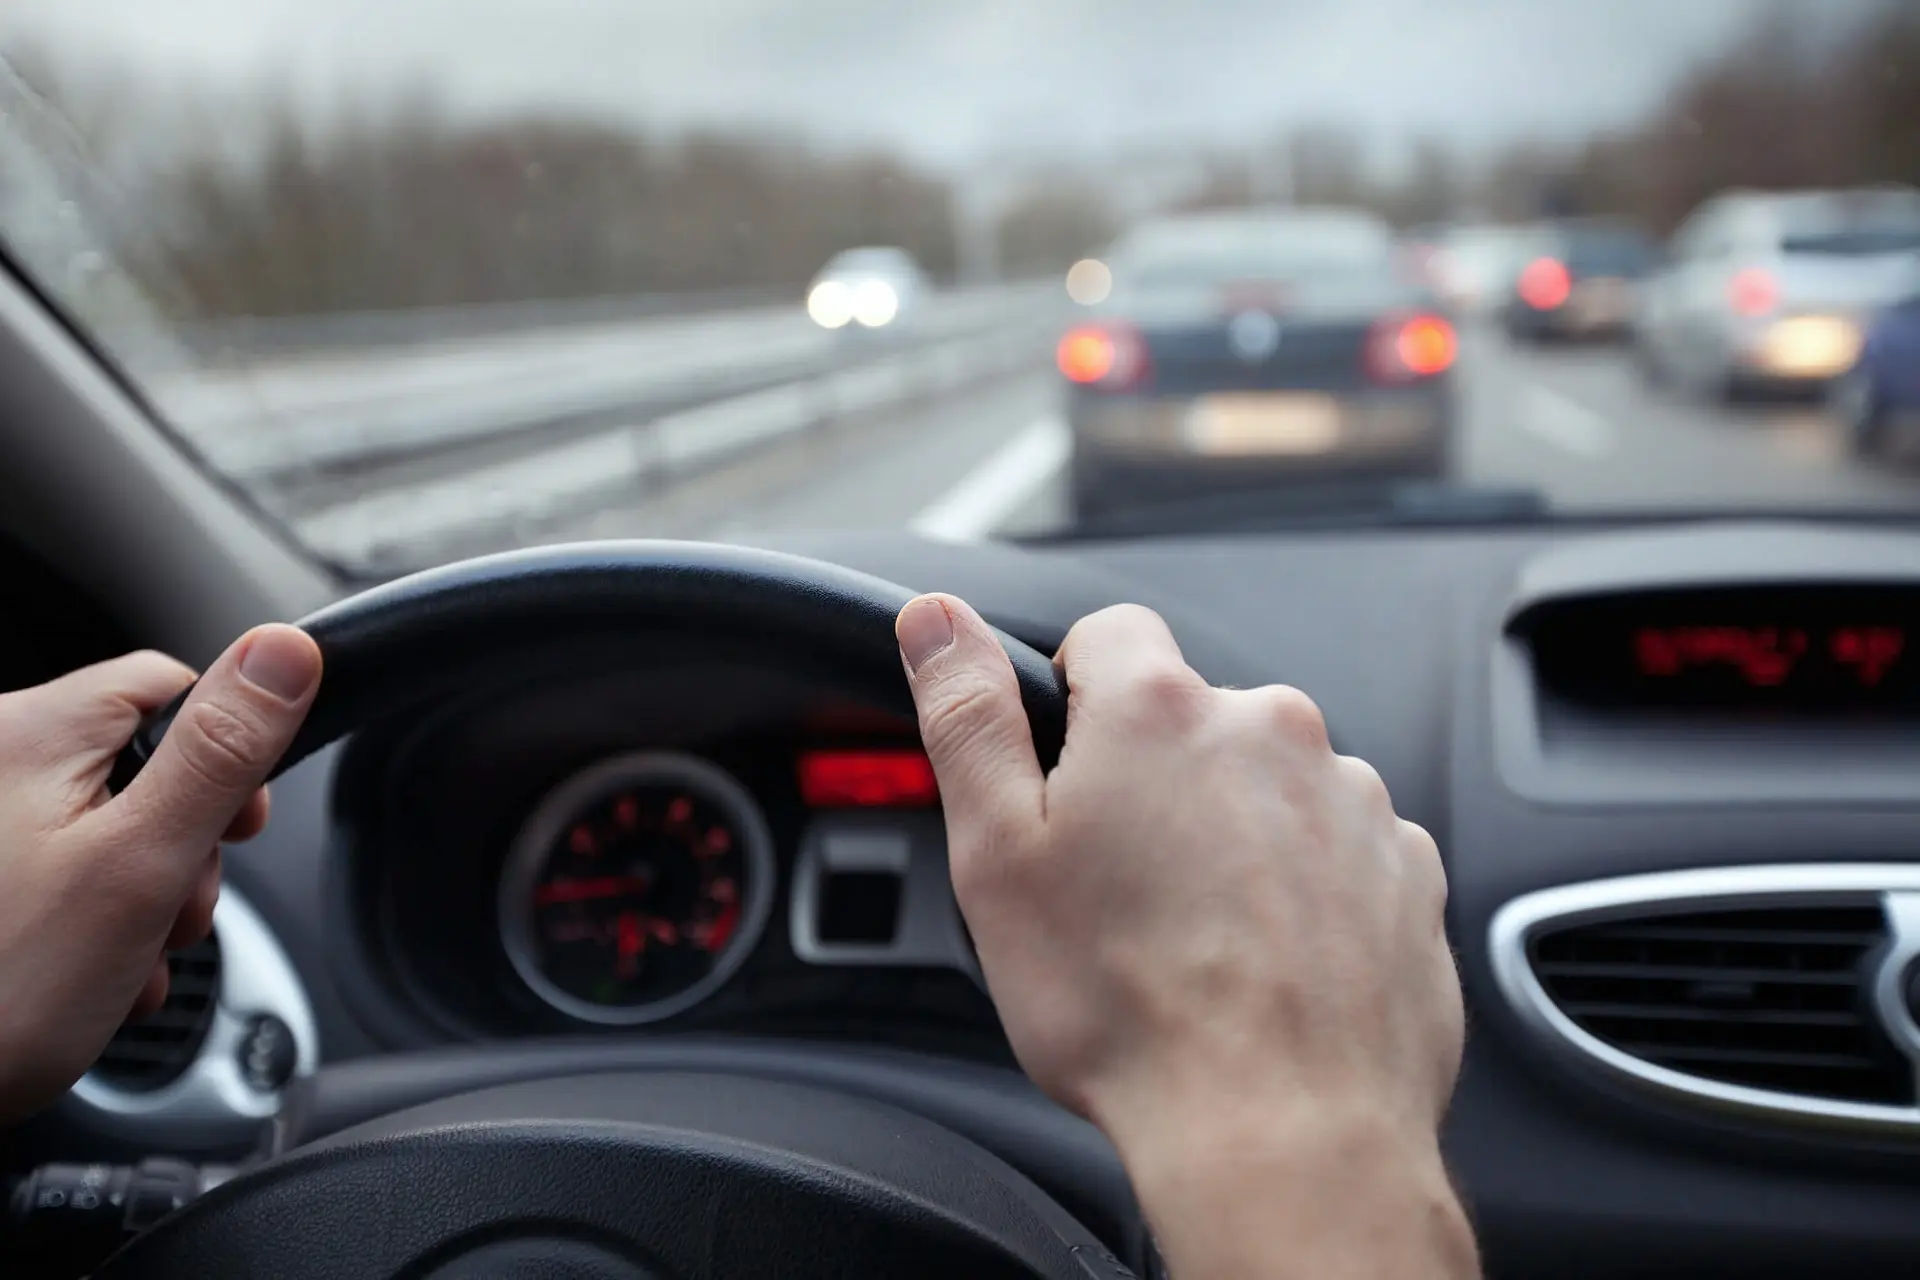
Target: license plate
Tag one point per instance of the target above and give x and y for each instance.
(1263, 424)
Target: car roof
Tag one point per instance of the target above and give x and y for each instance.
(1826, 207)
(1282, 218)
(1241, 227)
(879, 255)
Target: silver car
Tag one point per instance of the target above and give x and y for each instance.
(1773, 291)
(867, 290)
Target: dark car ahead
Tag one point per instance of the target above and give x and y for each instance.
(1583, 285)
(1879, 399)
(1245, 350)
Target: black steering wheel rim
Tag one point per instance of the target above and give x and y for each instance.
(629, 1177)
(423, 637)
(417, 638)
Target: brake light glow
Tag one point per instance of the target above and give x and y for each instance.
(1405, 348)
(1426, 345)
(1106, 356)
(1545, 284)
(1086, 355)
(1753, 292)
(875, 779)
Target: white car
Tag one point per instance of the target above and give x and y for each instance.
(1772, 291)
(1474, 267)
(867, 289)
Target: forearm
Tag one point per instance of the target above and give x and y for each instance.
(1315, 1196)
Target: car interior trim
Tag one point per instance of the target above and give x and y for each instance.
(256, 979)
(913, 847)
(1555, 754)
(1895, 886)
(121, 508)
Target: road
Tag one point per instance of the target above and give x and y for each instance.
(986, 458)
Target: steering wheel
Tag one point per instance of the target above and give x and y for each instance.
(658, 1175)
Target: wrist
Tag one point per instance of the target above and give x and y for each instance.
(1310, 1188)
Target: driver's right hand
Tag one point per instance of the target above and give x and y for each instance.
(1211, 935)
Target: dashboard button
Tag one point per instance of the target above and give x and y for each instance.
(267, 1054)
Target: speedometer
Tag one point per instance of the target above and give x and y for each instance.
(635, 889)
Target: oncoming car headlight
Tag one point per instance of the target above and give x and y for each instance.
(831, 304)
(875, 303)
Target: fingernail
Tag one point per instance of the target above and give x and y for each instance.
(282, 661)
(923, 628)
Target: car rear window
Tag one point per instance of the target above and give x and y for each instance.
(871, 260)
(1600, 254)
(1174, 257)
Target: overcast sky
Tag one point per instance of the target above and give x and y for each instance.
(946, 79)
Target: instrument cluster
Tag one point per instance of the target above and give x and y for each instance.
(561, 871)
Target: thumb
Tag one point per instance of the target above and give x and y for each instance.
(234, 728)
(971, 718)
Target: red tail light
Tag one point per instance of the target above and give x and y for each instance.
(1753, 292)
(1108, 356)
(1405, 348)
(1545, 284)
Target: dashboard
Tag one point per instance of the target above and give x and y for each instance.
(1673, 769)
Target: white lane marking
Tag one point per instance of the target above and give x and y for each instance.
(1566, 423)
(998, 487)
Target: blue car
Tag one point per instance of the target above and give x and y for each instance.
(1880, 399)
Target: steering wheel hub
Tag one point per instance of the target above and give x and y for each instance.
(628, 1176)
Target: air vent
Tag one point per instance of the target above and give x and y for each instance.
(153, 1052)
(1774, 997)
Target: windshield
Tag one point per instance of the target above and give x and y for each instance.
(426, 278)
(1204, 251)
(1609, 253)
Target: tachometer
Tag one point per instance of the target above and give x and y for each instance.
(635, 889)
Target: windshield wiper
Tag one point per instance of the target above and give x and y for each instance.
(1323, 505)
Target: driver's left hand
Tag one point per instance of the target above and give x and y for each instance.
(94, 889)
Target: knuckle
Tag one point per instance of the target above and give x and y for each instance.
(1422, 856)
(1131, 616)
(218, 743)
(1295, 715)
(1366, 784)
(1110, 630)
(1164, 692)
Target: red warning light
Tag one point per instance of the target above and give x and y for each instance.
(868, 780)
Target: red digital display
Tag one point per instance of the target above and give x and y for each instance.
(1768, 657)
(1841, 650)
(867, 779)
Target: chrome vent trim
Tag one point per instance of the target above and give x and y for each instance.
(256, 977)
(1895, 887)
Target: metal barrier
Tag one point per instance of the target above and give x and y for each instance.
(282, 421)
